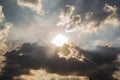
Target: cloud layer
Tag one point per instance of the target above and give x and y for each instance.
(34, 57)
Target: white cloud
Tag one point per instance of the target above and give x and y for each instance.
(1, 14)
(35, 5)
(4, 28)
(102, 43)
(112, 18)
(43, 75)
(91, 23)
(70, 51)
(94, 21)
(67, 19)
(66, 14)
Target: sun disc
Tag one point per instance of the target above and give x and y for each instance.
(60, 40)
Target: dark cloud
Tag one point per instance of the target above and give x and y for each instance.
(98, 64)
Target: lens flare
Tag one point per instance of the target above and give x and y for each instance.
(60, 40)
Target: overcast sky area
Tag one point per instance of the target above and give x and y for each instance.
(28, 27)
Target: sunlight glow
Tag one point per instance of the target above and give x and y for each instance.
(60, 40)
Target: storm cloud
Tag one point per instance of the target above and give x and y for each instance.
(34, 57)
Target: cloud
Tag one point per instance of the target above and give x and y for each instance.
(43, 75)
(74, 23)
(4, 28)
(68, 51)
(69, 20)
(1, 14)
(92, 21)
(112, 18)
(95, 21)
(33, 57)
(116, 73)
(35, 5)
(66, 14)
(102, 43)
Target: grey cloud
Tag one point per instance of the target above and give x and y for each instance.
(34, 57)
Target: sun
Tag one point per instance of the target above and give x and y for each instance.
(60, 40)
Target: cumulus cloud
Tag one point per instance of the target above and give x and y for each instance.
(88, 15)
(19, 63)
(74, 23)
(35, 5)
(69, 20)
(92, 22)
(66, 14)
(68, 51)
(95, 21)
(4, 28)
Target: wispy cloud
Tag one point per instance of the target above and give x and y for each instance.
(35, 5)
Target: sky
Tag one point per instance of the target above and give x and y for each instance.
(91, 51)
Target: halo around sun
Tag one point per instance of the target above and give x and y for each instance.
(60, 40)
